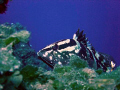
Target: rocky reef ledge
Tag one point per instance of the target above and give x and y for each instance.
(20, 69)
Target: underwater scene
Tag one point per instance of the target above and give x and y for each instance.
(59, 45)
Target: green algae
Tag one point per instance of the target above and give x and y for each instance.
(77, 63)
(29, 73)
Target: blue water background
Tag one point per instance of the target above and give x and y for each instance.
(53, 20)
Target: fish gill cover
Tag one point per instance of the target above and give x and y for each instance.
(20, 68)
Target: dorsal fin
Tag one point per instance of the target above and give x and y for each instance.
(80, 35)
(81, 38)
(77, 33)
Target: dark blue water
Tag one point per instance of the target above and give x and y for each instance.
(53, 20)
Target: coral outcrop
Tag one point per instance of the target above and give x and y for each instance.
(20, 69)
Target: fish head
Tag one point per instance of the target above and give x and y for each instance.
(59, 52)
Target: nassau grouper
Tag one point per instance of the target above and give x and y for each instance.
(60, 52)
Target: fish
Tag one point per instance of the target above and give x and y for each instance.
(60, 52)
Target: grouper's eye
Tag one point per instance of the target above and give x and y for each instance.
(55, 47)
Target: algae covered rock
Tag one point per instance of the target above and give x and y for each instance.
(90, 72)
(8, 62)
(15, 52)
(77, 62)
(29, 73)
(6, 30)
(27, 56)
(35, 78)
(10, 34)
(16, 78)
(115, 76)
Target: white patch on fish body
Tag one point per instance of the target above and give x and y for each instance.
(74, 37)
(71, 54)
(38, 53)
(49, 46)
(89, 47)
(63, 42)
(97, 55)
(76, 51)
(46, 53)
(49, 51)
(54, 52)
(59, 63)
(50, 57)
(112, 64)
(67, 56)
(71, 48)
(59, 56)
(77, 45)
(67, 49)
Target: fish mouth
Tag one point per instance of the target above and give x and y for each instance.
(46, 60)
